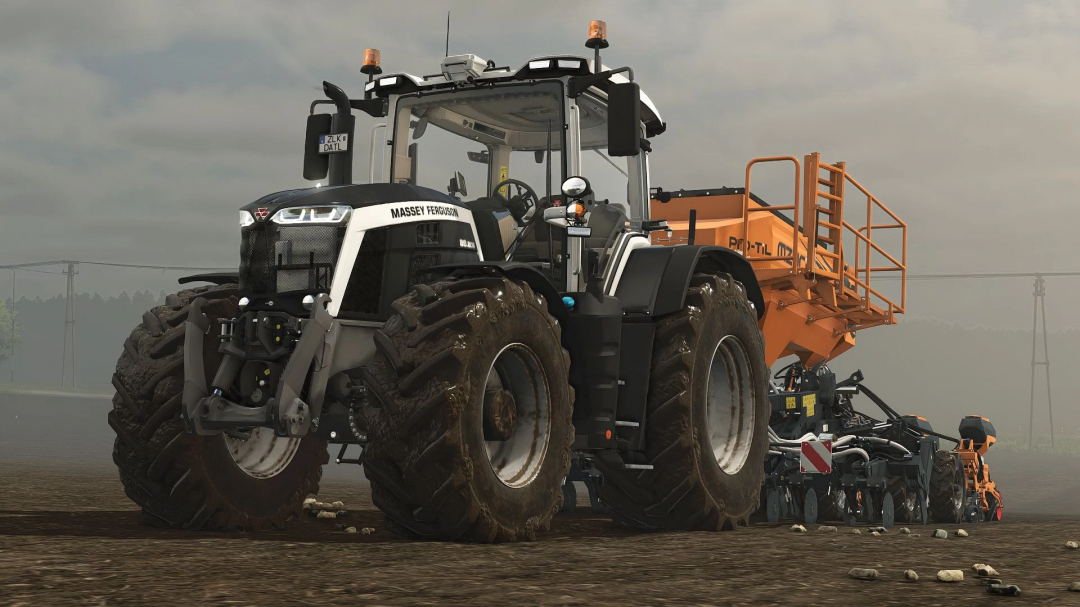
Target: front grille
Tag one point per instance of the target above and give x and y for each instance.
(279, 259)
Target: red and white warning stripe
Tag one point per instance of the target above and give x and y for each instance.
(816, 457)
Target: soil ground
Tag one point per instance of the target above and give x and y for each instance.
(68, 535)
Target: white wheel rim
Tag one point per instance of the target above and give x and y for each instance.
(263, 454)
(730, 405)
(517, 460)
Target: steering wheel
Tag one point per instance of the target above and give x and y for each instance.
(519, 203)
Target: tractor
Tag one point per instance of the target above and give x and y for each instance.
(470, 350)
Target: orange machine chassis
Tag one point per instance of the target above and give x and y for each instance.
(818, 292)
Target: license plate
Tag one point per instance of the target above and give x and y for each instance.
(332, 144)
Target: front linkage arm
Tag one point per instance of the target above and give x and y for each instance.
(287, 413)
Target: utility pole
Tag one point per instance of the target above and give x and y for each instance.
(1040, 304)
(12, 324)
(69, 321)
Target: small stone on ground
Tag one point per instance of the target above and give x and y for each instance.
(950, 575)
(325, 514)
(1073, 545)
(863, 574)
(874, 533)
(856, 531)
(905, 531)
(798, 529)
(1075, 586)
(367, 530)
(940, 534)
(911, 575)
(826, 528)
(350, 530)
(961, 533)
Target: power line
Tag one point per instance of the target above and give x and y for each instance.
(112, 264)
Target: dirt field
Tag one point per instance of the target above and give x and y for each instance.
(73, 538)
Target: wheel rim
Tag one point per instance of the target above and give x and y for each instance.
(730, 405)
(263, 454)
(517, 460)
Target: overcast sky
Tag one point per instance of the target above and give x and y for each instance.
(131, 131)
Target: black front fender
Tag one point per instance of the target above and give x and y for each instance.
(515, 271)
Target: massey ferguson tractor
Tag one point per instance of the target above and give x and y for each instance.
(468, 348)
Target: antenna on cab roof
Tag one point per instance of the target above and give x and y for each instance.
(447, 34)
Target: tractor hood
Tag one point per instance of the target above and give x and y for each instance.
(355, 195)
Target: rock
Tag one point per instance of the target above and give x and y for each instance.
(961, 533)
(950, 575)
(1003, 589)
(320, 506)
(1073, 545)
(798, 529)
(339, 527)
(977, 566)
(986, 571)
(911, 576)
(325, 514)
(1075, 586)
(940, 534)
(905, 531)
(338, 505)
(856, 531)
(350, 530)
(915, 535)
(878, 529)
(874, 533)
(826, 528)
(342, 513)
(863, 574)
(367, 530)
(309, 501)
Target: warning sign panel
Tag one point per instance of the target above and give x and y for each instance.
(816, 457)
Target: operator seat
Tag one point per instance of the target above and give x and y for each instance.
(496, 227)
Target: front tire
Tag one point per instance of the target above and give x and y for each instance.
(707, 412)
(471, 413)
(182, 480)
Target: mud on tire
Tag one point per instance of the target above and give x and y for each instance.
(178, 479)
(687, 487)
(948, 488)
(428, 459)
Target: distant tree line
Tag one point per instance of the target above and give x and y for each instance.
(101, 325)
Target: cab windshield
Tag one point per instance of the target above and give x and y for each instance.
(503, 143)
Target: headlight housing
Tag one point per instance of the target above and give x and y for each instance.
(246, 219)
(322, 214)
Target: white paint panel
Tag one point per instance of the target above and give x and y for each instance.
(393, 213)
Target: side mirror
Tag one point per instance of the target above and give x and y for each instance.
(316, 165)
(482, 157)
(624, 119)
(576, 187)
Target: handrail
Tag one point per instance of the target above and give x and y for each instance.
(746, 210)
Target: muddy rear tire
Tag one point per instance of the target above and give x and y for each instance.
(948, 488)
(470, 416)
(707, 412)
(181, 480)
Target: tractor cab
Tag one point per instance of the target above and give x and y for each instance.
(503, 141)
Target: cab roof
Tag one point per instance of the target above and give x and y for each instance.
(539, 68)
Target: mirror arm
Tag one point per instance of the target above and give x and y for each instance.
(580, 84)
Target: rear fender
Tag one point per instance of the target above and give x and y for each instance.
(656, 278)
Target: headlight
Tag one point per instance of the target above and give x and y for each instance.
(326, 214)
(246, 219)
